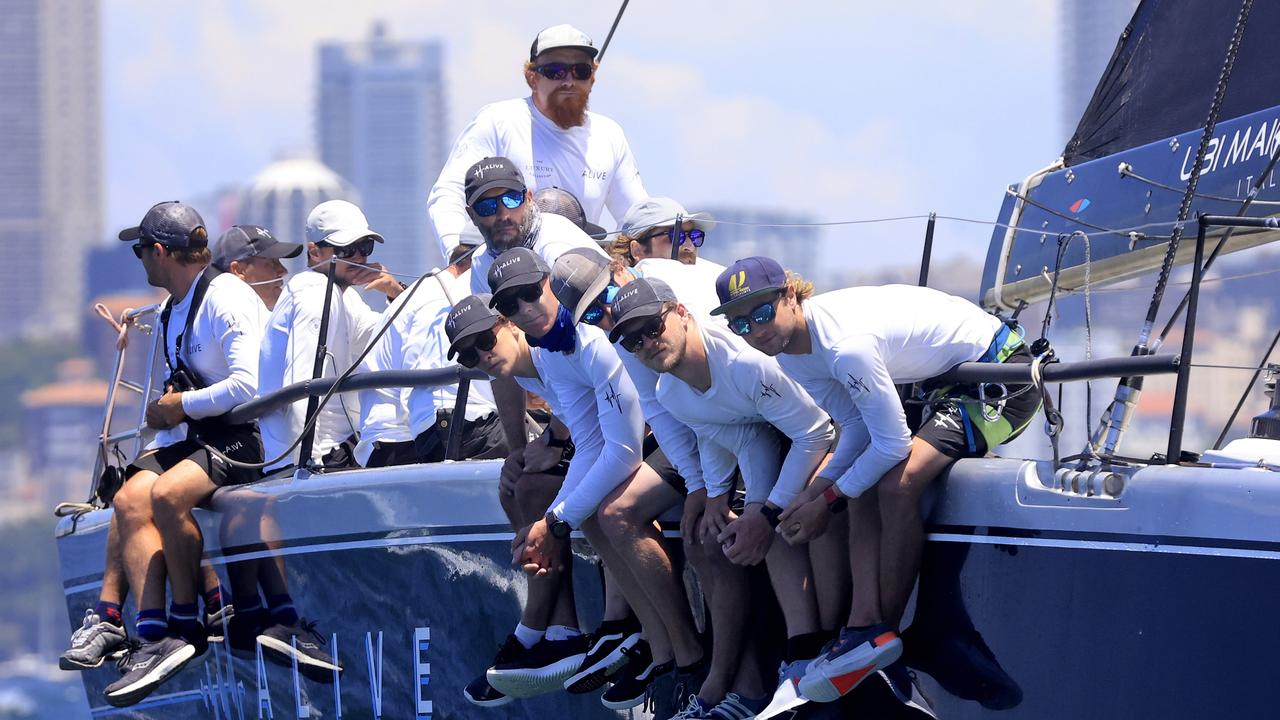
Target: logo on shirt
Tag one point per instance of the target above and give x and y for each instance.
(768, 390)
(613, 398)
(856, 384)
(738, 283)
(946, 420)
(594, 174)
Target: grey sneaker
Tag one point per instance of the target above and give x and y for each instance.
(215, 624)
(736, 707)
(93, 643)
(145, 667)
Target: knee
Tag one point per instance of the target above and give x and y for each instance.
(166, 502)
(616, 518)
(899, 496)
(132, 502)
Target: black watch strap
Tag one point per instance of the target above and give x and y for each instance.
(771, 514)
(559, 528)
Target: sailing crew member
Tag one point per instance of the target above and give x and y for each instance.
(562, 202)
(741, 407)
(253, 254)
(336, 230)
(210, 333)
(648, 231)
(549, 135)
(849, 348)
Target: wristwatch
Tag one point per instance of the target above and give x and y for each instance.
(835, 501)
(559, 528)
(771, 514)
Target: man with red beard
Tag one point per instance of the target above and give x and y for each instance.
(549, 135)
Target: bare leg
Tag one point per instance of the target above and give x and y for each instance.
(615, 605)
(828, 555)
(651, 622)
(727, 587)
(902, 538)
(140, 546)
(864, 558)
(550, 596)
(792, 580)
(173, 497)
(114, 584)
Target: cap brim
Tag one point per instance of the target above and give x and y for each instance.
(743, 300)
(702, 221)
(595, 232)
(504, 183)
(593, 291)
(281, 250)
(525, 278)
(473, 329)
(591, 51)
(651, 309)
(343, 238)
(132, 233)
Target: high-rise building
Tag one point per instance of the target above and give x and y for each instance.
(381, 124)
(1090, 31)
(51, 163)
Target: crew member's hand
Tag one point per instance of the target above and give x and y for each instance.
(535, 549)
(380, 281)
(804, 520)
(694, 505)
(715, 517)
(512, 469)
(166, 411)
(746, 540)
(539, 456)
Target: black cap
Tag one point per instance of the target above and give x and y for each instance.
(171, 224)
(640, 299)
(516, 267)
(578, 277)
(490, 173)
(748, 279)
(241, 242)
(471, 316)
(565, 204)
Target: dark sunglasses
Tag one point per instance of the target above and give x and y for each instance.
(762, 315)
(488, 207)
(595, 313)
(560, 71)
(470, 357)
(360, 247)
(508, 304)
(695, 236)
(138, 248)
(654, 327)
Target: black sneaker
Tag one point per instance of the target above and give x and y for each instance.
(145, 667)
(283, 644)
(688, 682)
(605, 655)
(631, 683)
(215, 623)
(480, 692)
(243, 630)
(92, 643)
(907, 691)
(524, 672)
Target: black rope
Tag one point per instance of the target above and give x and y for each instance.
(1217, 444)
(616, 20)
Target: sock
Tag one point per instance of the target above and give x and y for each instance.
(692, 668)
(527, 636)
(246, 603)
(151, 625)
(561, 632)
(806, 646)
(282, 611)
(213, 600)
(183, 619)
(109, 612)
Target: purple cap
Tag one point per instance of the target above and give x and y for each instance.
(748, 279)
(171, 224)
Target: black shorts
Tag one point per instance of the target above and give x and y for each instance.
(656, 459)
(482, 439)
(239, 442)
(959, 429)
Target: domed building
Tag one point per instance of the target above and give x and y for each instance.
(284, 192)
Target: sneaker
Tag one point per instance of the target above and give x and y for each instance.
(787, 696)
(694, 707)
(147, 665)
(605, 655)
(905, 688)
(631, 683)
(736, 707)
(243, 630)
(855, 655)
(215, 623)
(92, 643)
(524, 672)
(283, 644)
(689, 683)
(480, 692)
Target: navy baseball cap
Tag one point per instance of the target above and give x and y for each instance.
(640, 299)
(748, 279)
(514, 268)
(171, 224)
(471, 316)
(241, 242)
(578, 277)
(490, 173)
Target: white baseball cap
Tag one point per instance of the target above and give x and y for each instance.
(657, 212)
(561, 36)
(338, 223)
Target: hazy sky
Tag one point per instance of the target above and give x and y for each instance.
(843, 110)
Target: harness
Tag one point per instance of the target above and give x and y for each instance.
(181, 376)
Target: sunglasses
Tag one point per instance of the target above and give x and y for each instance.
(695, 236)
(488, 207)
(508, 304)
(138, 249)
(470, 357)
(594, 314)
(654, 327)
(363, 247)
(761, 315)
(560, 71)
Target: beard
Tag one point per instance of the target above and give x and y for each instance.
(568, 108)
(523, 233)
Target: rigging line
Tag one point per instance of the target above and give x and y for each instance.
(1179, 283)
(1217, 444)
(612, 28)
(1214, 366)
(1127, 170)
(1027, 199)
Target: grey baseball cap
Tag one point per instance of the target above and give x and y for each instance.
(561, 36)
(338, 223)
(514, 268)
(171, 224)
(577, 278)
(654, 212)
(471, 316)
(490, 173)
(565, 204)
(241, 242)
(640, 299)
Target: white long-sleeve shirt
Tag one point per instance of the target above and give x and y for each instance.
(222, 348)
(554, 237)
(866, 340)
(748, 389)
(593, 161)
(288, 356)
(595, 398)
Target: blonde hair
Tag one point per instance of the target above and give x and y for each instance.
(191, 256)
(803, 289)
(620, 250)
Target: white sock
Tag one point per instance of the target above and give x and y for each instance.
(527, 636)
(562, 632)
